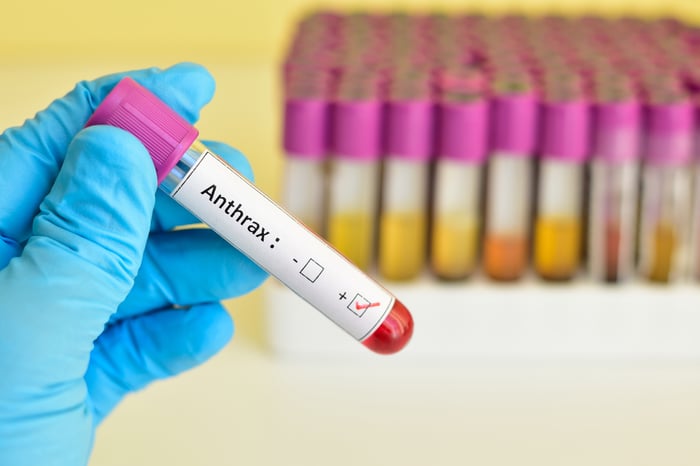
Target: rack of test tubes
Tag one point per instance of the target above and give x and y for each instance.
(527, 186)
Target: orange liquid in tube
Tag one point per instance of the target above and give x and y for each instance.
(509, 183)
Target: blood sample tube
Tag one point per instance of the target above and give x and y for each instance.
(509, 183)
(305, 145)
(694, 239)
(354, 180)
(614, 187)
(462, 143)
(403, 217)
(222, 198)
(665, 202)
(564, 149)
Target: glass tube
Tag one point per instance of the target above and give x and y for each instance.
(514, 123)
(409, 143)
(217, 194)
(664, 216)
(403, 222)
(462, 146)
(614, 188)
(612, 220)
(456, 212)
(694, 238)
(508, 207)
(565, 147)
(305, 129)
(304, 191)
(352, 209)
(354, 175)
(558, 226)
(665, 203)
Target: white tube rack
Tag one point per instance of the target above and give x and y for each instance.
(480, 320)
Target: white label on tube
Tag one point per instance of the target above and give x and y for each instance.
(223, 199)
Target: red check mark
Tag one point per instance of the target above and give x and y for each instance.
(364, 307)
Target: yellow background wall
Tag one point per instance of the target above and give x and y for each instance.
(243, 29)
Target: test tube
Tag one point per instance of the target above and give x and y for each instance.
(462, 142)
(509, 181)
(222, 198)
(559, 223)
(614, 187)
(665, 205)
(694, 239)
(403, 216)
(305, 144)
(354, 178)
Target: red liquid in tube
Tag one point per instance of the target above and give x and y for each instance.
(393, 333)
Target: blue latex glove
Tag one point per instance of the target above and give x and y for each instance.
(90, 270)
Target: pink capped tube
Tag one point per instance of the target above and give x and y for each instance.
(559, 216)
(403, 220)
(510, 180)
(305, 144)
(665, 204)
(614, 188)
(694, 240)
(222, 198)
(462, 147)
(354, 177)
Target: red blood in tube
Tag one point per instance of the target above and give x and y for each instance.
(393, 333)
(612, 251)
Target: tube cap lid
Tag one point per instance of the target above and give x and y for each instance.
(356, 131)
(514, 123)
(462, 133)
(565, 128)
(669, 133)
(133, 108)
(409, 132)
(305, 128)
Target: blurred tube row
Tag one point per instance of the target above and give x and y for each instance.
(498, 145)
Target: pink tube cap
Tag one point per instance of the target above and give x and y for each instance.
(462, 132)
(356, 130)
(565, 127)
(669, 133)
(305, 128)
(133, 108)
(617, 131)
(409, 127)
(514, 123)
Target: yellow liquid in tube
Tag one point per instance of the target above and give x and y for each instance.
(557, 247)
(402, 245)
(664, 244)
(351, 233)
(454, 246)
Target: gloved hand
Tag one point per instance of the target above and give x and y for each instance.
(90, 269)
